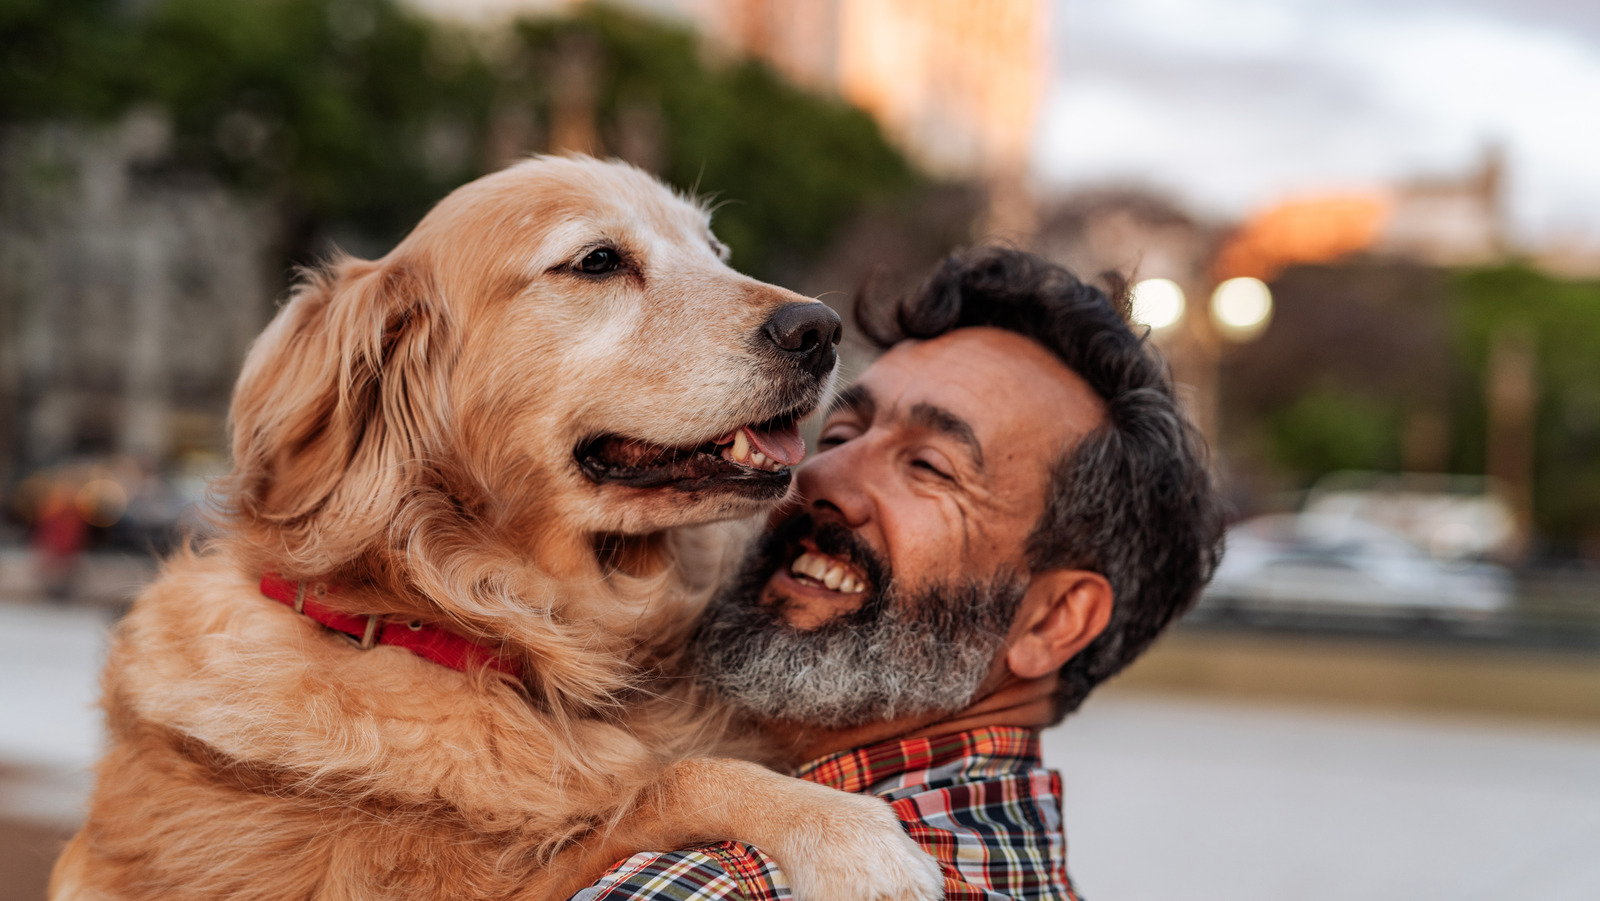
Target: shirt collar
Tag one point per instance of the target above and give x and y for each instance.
(863, 768)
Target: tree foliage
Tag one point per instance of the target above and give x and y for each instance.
(356, 115)
(787, 165)
(1562, 319)
(1361, 351)
(1331, 428)
(334, 109)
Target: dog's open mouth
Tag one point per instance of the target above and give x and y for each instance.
(755, 456)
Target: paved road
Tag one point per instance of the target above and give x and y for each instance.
(49, 734)
(1167, 799)
(1173, 799)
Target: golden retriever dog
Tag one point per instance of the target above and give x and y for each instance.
(429, 654)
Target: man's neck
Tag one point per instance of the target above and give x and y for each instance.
(1014, 702)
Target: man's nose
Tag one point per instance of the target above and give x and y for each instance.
(806, 333)
(831, 484)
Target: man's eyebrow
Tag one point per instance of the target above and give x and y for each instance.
(854, 399)
(938, 419)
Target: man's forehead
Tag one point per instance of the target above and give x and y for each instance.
(989, 376)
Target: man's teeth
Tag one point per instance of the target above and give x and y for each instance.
(742, 453)
(829, 572)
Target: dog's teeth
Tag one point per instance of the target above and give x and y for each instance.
(757, 458)
(741, 447)
(834, 576)
(847, 585)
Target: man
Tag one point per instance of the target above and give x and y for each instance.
(1006, 509)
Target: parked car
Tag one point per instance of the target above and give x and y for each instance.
(1316, 564)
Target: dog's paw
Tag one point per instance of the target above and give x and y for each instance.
(859, 851)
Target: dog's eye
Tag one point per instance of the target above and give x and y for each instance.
(600, 261)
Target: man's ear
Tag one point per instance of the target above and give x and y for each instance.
(1061, 612)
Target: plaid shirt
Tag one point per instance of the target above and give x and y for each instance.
(980, 802)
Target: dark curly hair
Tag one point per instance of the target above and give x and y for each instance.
(1134, 500)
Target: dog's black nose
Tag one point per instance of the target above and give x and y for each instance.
(806, 332)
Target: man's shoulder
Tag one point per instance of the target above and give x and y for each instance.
(726, 871)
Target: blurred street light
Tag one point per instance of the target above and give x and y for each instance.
(1241, 308)
(1158, 303)
(1237, 311)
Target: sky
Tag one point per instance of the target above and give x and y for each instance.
(1234, 104)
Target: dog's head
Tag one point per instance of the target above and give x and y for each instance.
(556, 352)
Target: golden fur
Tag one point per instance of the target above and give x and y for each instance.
(405, 428)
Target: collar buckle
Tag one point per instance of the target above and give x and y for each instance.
(369, 636)
(369, 639)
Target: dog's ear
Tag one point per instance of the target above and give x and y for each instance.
(337, 413)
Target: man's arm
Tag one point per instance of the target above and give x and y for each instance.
(727, 871)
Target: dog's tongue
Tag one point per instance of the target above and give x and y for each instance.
(783, 445)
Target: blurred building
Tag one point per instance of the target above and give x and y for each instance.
(1136, 234)
(1435, 220)
(1133, 235)
(128, 296)
(1451, 220)
(955, 83)
(1574, 256)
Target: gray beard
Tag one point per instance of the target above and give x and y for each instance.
(901, 654)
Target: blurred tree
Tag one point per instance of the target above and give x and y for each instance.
(1356, 355)
(63, 58)
(1383, 364)
(1561, 320)
(354, 115)
(788, 167)
(1330, 428)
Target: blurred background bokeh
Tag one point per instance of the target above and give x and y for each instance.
(1366, 235)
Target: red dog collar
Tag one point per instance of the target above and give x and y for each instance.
(426, 641)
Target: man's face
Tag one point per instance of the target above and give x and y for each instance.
(909, 549)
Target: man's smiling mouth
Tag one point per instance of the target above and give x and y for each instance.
(820, 570)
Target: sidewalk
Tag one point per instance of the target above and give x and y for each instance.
(1176, 797)
(49, 734)
(108, 579)
(49, 726)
